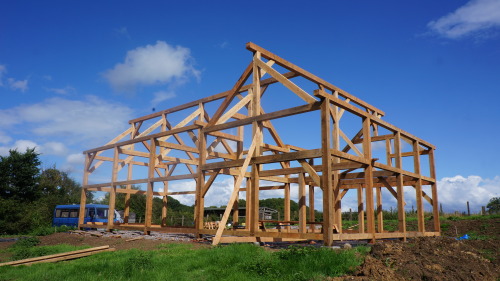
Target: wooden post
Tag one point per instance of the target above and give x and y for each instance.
(312, 215)
(83, 196)
(418, 188)
(361, 210)
(112, 194)
(248, 213)
(150, 187)
(370, 216)
(235, 206)
(126, 211)
(326, 180)
(302, 203)
(200, 183)
(400, 186)
(468, 209)
(435, 210)
(380, 215)
(164, 205)
(257, 133)
(287, 205)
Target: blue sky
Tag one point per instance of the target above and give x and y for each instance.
(73, 73)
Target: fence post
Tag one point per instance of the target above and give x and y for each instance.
(468, 209)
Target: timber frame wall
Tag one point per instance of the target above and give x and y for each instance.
(341, 169)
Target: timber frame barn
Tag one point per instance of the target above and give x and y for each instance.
(366, 157)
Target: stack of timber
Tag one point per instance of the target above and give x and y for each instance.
(60, 257)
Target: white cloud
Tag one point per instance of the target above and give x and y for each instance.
(62, 91)
(92, 119)
(54, 148)
(4, 139)
(454, 192)
(3, 69)
(74, 162)
(161, 96)
(21, 85)
(151, 65)
(77, 158)
(123, 32)
(21, 146)
(475, 16)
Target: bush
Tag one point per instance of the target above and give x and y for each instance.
(26, 242)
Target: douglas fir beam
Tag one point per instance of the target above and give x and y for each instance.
(150, 187)
(286, 214)
(126, 212)
(435, 205)
(302, 203)
(200, 183)
(361, 209)
(112, 194)
(83, 196)
(418, 188)
(400, 186)
(337, 220)
(312, 216)
(326, 181)
(380, 215)
(367, 150)
(257, 133)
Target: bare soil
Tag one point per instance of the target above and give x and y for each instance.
(438, 258)
(429, 258)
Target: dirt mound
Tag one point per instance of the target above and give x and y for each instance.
(438, 258)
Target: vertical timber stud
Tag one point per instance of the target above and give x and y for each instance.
(126, 212)
(326, 181)
(83, 196)
(302, 203)
(312, 217)
(400, 186)
(361, 209)
(418, 187)
(286, 215)
(380, 215)
(112, 194)
(165, 183)
(367, 150)
(256, 131)
(435, 204)
(336, 174)
(150, 187)
(200, 183)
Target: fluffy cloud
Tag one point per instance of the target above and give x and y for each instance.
(454, 192)
(21, 85)
(3, 70)
(161, 96)
(476, 15)
(62, 91)
(19, 145)
(92, 119)
(49, 148)
(151, 65)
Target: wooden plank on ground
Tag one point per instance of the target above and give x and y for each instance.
(60, 257)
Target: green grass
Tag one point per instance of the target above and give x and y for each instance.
(182, 262)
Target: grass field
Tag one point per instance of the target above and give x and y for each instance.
(183, 262)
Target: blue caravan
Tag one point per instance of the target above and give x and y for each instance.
(68, 214)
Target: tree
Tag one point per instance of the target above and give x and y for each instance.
(494, 205)
(19, 175)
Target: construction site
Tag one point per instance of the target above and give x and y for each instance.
(320, 143)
